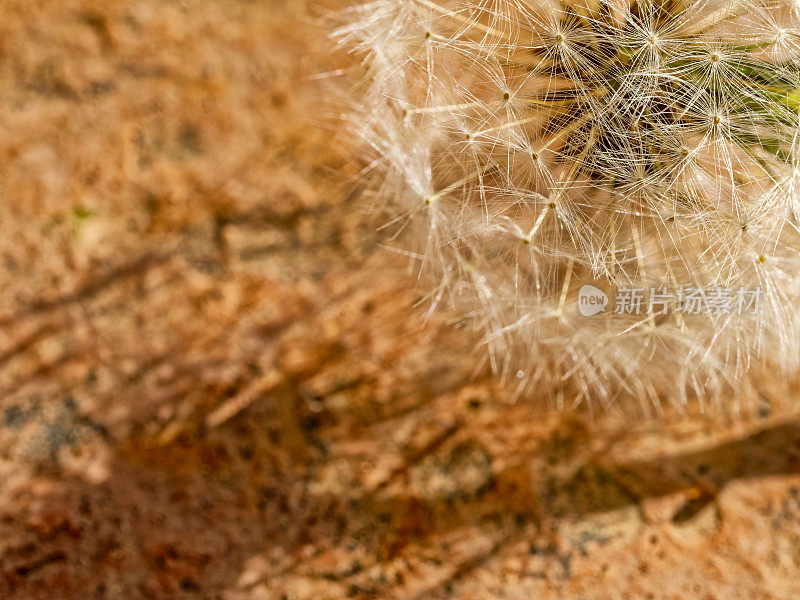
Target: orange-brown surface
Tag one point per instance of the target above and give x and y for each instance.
(215, 384)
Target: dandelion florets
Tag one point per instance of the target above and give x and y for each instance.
(529, 148)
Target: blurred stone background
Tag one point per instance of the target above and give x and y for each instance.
(215, 383)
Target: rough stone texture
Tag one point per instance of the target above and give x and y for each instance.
(215, 385)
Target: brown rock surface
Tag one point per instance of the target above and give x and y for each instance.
(215, 384)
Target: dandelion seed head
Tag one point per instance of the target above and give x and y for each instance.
(524, 148)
